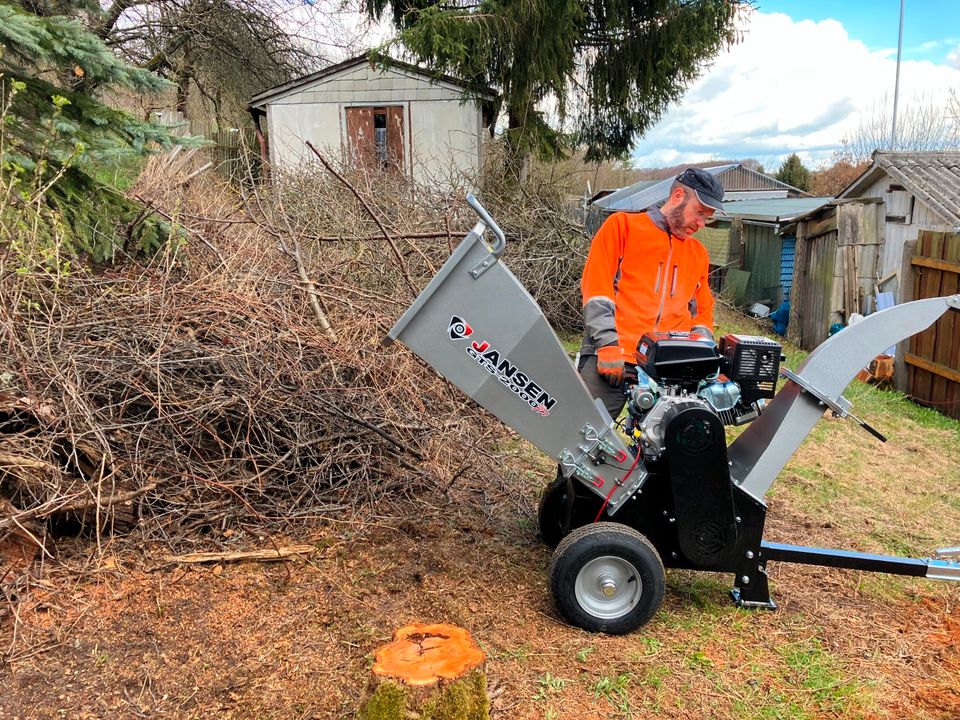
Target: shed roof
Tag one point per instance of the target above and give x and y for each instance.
(734, 177)
(643, 194)
(267, 96)
(933, 177)
(775, 210)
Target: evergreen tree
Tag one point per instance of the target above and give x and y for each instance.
(792, 172)
(54, 131)
(608, 68)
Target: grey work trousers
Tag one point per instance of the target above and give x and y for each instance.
(613, 397)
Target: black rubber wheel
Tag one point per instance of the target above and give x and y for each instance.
(607, 577)
(553, 509)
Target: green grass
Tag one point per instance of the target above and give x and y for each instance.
(807, 682)
(654, 676)
(815, 489)
(870, 402)
(519, 655)
(706, 593)
(571, 342)
(549, 685)
(817, 672)
(614, 690)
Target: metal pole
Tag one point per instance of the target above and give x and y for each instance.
(896, 88)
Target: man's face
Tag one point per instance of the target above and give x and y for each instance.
(688, 216)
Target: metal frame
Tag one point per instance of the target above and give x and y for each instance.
(760, 453)
(577, 432)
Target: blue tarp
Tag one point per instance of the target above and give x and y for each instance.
(780, 318)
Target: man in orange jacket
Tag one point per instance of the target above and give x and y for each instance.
(646, 273)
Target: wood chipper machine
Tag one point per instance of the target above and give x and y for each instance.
(666, 489)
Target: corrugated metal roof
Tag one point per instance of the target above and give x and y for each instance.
(933, 177)
(772, 210)
(637, 197)
(731, 195)
(735, 179)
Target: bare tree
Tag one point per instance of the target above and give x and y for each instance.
(225, 51)
(922, 124)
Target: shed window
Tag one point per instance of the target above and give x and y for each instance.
(375, 137)
(899, 204)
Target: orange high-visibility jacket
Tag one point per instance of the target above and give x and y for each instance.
(638, 278)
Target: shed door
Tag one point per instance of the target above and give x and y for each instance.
(395, 138)
(360, 135)
(761, 258)
(375, 137)
(818, 289)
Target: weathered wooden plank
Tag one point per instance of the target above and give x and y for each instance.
(851, 287)
(933, 368)
(950, 266)
(395, 137)
(948, 324)
(930, 280)
(822, 227)
(915, 293)
(953, 392)
(798, 286)
(905, 293)
(822, 289)
(951, 249)
(950, 338)
(360, 135)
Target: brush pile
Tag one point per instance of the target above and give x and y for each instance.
(237, 379)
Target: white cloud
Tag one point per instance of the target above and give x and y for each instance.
(789, 86)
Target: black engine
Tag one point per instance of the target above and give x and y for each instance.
(731, 381)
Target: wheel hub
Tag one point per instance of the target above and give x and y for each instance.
(608, 587)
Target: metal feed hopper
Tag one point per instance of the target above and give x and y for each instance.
(479, 328)
(675, 494)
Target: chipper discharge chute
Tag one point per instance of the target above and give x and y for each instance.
(672, 493)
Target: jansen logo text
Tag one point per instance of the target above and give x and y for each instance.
(494, 362)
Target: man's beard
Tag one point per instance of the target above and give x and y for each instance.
(674, 218)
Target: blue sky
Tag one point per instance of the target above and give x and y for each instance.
(804, 77)
(927, 24)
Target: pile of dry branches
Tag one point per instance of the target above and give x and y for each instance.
(238, 379)
(546, 242)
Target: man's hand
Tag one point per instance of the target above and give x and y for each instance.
(610, 364)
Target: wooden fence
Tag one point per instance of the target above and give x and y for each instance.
(233, 152)
(932, 358)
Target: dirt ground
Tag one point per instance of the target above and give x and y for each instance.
(132, 636)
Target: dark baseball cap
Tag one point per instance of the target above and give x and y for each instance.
(708, 189)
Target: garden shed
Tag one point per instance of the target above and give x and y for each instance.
(919, 191)
(839, 251)
(400, 119)
(754, 263)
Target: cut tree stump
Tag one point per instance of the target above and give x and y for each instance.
(430, 672)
